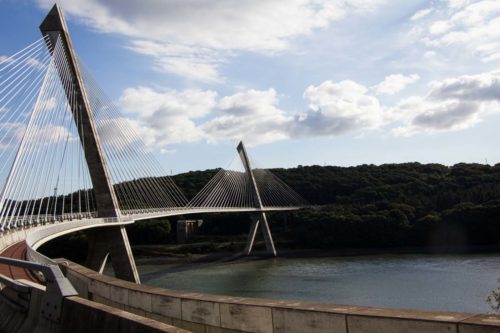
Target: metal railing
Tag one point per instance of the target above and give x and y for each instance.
(57, 286)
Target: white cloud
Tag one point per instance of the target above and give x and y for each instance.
(169, 115)
(492, 57)
(111, 133)
(47, 104)
(472, 27)
(452, 104)
(458, 3)
(251, 102)
(164, 151)
(196, 63)
(421, 14)
(430, 54)
(147, 102)
(219, 24)
(12, 133)
(181, 34)
(426, 116)
(172, 116)
(252, 116)
(335, 108)
(50, 134)
(3, 59)
(394, 83)
(440, 27)
(35, 63)
(29, 61)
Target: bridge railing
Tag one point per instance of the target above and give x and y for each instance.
(21, 221)
(39, 236)
(56, 284)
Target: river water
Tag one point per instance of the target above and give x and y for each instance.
(434, 282)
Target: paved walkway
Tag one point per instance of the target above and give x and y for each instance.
(16, 251)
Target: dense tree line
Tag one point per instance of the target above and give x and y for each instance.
(390, 205)
(193, 181)
(387, 205)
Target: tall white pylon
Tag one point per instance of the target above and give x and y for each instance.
(112, 242)
(260, 218)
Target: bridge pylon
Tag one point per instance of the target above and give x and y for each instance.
(258, 219)
(110, 241)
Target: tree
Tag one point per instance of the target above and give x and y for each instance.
(493, 299)
(156, 231)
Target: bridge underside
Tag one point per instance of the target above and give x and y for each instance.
(111, 243)
(22, 243)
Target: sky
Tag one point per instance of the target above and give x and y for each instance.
(301, 82)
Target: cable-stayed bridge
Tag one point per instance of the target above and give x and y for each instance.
(69, 156)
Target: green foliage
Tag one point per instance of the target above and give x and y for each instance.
(193, 181)
(156, 231)
(493, 299)
(408, 204)
(226, 224)
(387, 205)
(72, 246)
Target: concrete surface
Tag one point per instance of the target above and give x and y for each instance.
(224, 314)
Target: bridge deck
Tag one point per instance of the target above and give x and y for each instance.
(17, 251)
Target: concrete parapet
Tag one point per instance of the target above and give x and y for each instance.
(81, 315)
(23, 313)
(295, 321)
(206, 313)
(11, 237)
(480, 324)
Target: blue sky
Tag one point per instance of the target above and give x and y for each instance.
(300, 81)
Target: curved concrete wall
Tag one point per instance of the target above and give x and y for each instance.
(11, 237)
(36, 235)
(21, 313)
(211, 313)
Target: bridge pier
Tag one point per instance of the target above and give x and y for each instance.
(111, 243)
(260, 220)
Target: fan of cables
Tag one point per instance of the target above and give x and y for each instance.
(140, 182)
(232, 187)
(276, 193)
(43, 171)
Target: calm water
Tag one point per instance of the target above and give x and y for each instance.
(436, 282)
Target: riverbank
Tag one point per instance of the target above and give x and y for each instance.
(231, 251)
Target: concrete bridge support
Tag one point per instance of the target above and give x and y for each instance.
(259, 219)
(113, 241)
(264, 229)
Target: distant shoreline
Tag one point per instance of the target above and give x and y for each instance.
(227, 257)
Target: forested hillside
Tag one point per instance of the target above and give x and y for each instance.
(387, 205)
(391, 205)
